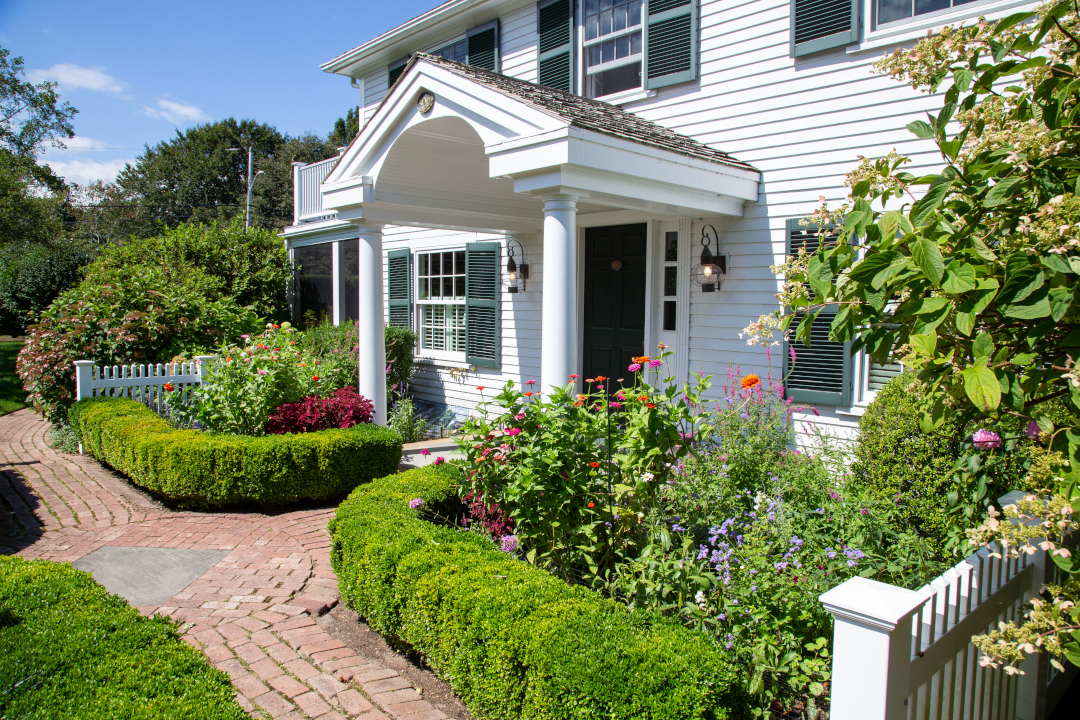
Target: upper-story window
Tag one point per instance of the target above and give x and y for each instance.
(612, 46)
(458, 52)
(889, 11)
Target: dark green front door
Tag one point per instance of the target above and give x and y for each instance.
(614, 300)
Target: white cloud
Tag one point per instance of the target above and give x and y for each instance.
(72, 77)
(84, 171)
(175, 112)
(80, 144)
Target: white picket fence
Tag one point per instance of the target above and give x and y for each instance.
(142, 383)
(902, 654)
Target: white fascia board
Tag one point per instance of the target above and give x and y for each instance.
(495, 117)
(438, 24)
(442, 218)
(318, 232)
(586, 149)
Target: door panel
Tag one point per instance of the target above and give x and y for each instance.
(614, 321)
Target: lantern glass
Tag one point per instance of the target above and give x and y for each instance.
(710, 272)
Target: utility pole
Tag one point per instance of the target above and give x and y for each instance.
(250, 184)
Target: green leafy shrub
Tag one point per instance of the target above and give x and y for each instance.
(335, 345)
(514, 642)
(403, 419)
(31, 277)
(139, 314)
(400, 349)
(252, 265)
(70, 650)
(206, 470)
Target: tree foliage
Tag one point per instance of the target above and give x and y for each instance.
(346, 128)
(970, 274)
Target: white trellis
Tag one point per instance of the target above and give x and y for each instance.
(902, 654)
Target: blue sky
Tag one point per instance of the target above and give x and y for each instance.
(137, 71)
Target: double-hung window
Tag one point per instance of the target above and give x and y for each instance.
(458, 52)
(612, 46)
(440, 299)
(896, 11)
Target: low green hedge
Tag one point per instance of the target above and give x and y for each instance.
(207, 470)
(70, 650)
(512, 641)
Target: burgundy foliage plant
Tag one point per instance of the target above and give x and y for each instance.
(341, 409)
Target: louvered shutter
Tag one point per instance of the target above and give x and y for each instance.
(881, 374)
(484, 45)
(395, 69)
(482, 304)
(821, 374)
(555, 44)
(671, 38)
(822, 24)
(399, 287)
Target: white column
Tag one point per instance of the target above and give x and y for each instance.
(871, 649)
(337, 252)
(370, 326)
(559, 329)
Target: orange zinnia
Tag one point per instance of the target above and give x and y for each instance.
(643, 359)
(650, 405)
(528, 394)
(600, 378)
(750, 381)
(642, 398)
(591, 504)
(594, 464)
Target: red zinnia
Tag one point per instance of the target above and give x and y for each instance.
(315, 378)
(482, 388)
(169, 387)
(590, 504)
(650, 405)
(594, 464)
(528, 394)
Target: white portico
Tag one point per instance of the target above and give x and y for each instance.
(457, 147)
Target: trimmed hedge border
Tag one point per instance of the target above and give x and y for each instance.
(70, 650)
(206, 470)
(514, 642)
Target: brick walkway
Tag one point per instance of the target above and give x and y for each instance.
(252, 613)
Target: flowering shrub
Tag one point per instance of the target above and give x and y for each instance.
(121, 316)
(546, 463)
(341, 409)
(247, 381)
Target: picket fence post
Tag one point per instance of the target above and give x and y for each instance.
(204, 360)
(84, 376)
(871, 649)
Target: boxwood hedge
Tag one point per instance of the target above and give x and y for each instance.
(207, 470)
(70, 650)
(514, 642)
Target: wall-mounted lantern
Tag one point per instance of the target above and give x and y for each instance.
(712, 269)
(516, 274)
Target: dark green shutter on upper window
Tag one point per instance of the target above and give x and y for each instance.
(821, 374)
(395, 69)
(484, 45)
(823, 24)
(399, 287)
(555, 44)
(671, 39)
(482, 304)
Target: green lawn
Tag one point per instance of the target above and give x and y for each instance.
(12, 394)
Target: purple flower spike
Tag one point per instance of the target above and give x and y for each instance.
(509, 543)
(986, 439)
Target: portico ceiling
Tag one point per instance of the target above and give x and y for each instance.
(491, 147)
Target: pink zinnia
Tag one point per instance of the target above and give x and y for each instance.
(513, 431)
(986, 439)
(425, 451)
(531, 382)
(655, 363)
(634, 368)
(439, 460)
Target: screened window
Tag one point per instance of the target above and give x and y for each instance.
(314, 284)
(440, 293)
(671, 279)
(890, 11)
(612, 46)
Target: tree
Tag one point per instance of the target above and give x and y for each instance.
(970, 275)
(346, 128)
(195, 176)
(31, 195)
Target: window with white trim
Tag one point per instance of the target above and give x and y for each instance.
(887, 12)
(612, 46)
(440, 300)
(457, 51)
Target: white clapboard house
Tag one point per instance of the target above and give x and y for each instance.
(533, 183)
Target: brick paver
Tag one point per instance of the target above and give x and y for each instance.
(251, 614)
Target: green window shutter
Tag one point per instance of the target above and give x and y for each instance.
(399, 287)
(671, 39)
(555, 44)
(484, 45)
(482, 304)
(821, 374)
(395, 69)
(822, 24)
(881, 374)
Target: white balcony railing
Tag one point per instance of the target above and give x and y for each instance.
(307, 199)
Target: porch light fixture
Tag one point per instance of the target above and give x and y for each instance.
(516, 274)
(712, 269)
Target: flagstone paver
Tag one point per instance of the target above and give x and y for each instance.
(252, 613)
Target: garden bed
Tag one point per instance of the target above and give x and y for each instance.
(210, 470)
(513, 641)
(71, 650)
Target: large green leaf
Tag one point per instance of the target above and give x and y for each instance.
(982, 387)
(927, 256)
(1060, 300)
(921, 129)
(922, 209)
(1001, 192)
(959, 278)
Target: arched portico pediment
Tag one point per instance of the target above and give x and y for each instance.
(490, 146)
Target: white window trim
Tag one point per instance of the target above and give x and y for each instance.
(418, 305)
(583, 70)
(902, 31)
(432, 49)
